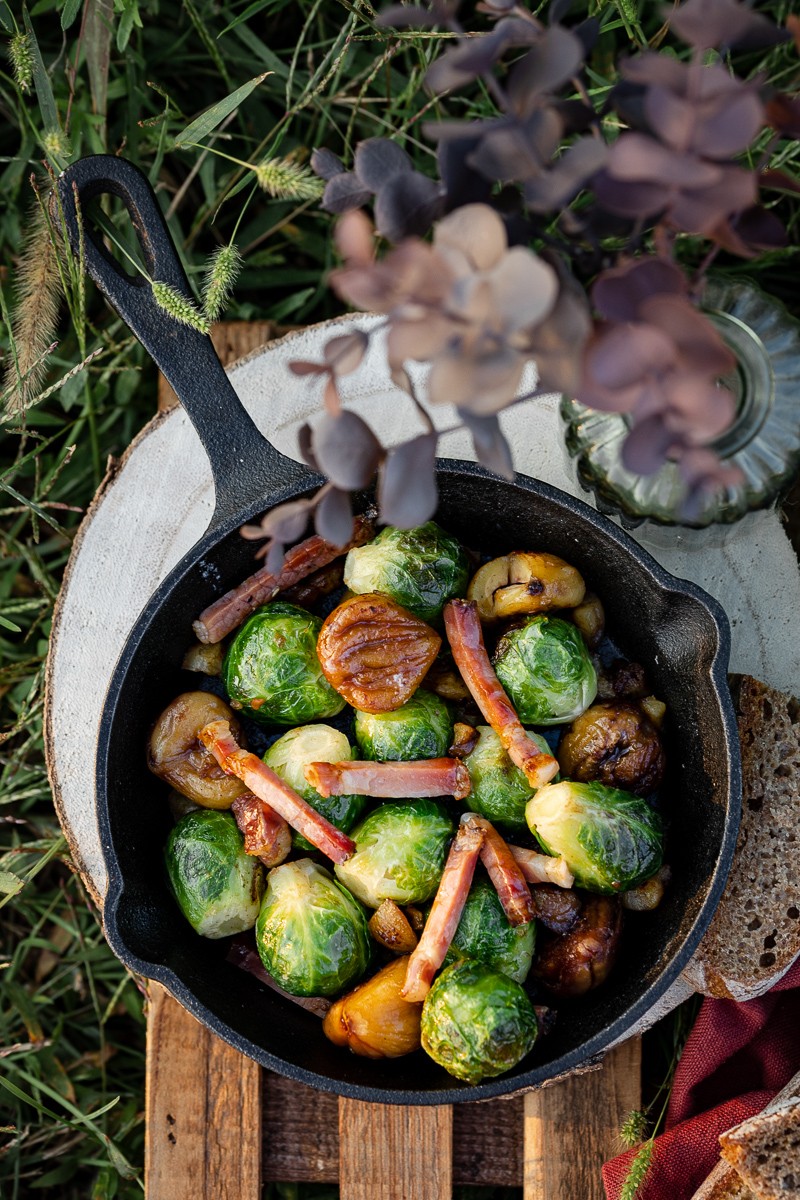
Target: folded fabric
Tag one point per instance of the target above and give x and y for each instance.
(737, 1057)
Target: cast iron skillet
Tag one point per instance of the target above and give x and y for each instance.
(678, 632)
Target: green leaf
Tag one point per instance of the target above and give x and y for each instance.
(4, 621)
(69, 12)
(41, 80)
(211, 118)
(9, 882)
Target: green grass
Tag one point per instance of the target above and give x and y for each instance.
(137, 77)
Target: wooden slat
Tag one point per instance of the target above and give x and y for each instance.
(572, 1127)
(202, 1111)
(395, 1153)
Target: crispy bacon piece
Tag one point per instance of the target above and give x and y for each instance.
(266, 834)
(464, 633)
(543, 868)
(225, 614)
(448, 904)
(375, 652)
(506, 875)
(426, 777)
(270, 788)
(320, 584)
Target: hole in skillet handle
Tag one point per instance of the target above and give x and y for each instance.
(244, 465)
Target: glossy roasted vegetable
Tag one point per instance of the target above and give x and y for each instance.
(391, 929)
(376, 1020)
(500, 790)
(611, 840)
(616, 744)
(400, 853)
(218, 887)
(546, 669)
(290, 755)
(485, 934)
(375, 653)
(311, 934)
(421, 728)
(581, 958)
(590, 618)
(272, 671)
(525, 582)
(176, 754)
(420, 568)
(477, 1023)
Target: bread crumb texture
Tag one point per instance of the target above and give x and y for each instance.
(755, 934)
(766, 1152)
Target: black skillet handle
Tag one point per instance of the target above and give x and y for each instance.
(243, 463)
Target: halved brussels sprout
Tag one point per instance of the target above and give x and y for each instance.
(311, 934)
(546, 669)
(400, 853)
(420, 568)
(611, 840)
(291, 754)
(272, 671)
(477, 1023)
(500, 790)
(420, 728)
(486, 935)
(218, 887)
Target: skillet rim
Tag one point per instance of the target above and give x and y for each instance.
(499, 1086)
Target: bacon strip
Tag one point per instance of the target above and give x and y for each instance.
(464, 633)
(505, 874)
(271, 789)
(225, 614)
(448, 905)
(266, 834)
(398, 780)
(542, 868)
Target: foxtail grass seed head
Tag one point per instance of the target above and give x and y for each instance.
(287, 180)
(178, 306)
(223, 271)
(638, 1173)
(633, 1128)
(34, 317)
(19, 51)
(55, 144)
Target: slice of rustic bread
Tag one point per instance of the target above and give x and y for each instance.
(755, 934)
(725, 1182)
(766, 1152)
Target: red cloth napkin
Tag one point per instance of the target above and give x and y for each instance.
(737, 1057)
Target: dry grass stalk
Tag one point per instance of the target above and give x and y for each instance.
(38, 293)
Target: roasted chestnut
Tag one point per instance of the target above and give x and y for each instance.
(582, 958)
(616, 744)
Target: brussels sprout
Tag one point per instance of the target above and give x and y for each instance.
(400, 853)
(500, 790)
(546, 669)
(420, 728)
(420, 568)
(477, 1023)
(611, 840)
(272, 670)
(218, 887)
(486, 935)
(311, 934)
(289, 756)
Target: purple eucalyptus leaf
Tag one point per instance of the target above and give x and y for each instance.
(624, 354)
(723, 23)
(345, 353)
(670, 116)
(587, 32)
(491, 447)
(477, 55)
(407, 494)
(484, 379)
(629, 199)
(333, 519)
(554, 188)
(557, 342)
(637, 158)
(346, 449)
(698, 410)
(343, 192)
(731, 128)
(275, 555)
(699, 210)
(758, 229)
(287, 522)
(418, 340)
(696, 341)
(651, 68)
(553, 59)
(299, 366)
(377, 160)
(783, 113)
(462, 184)
(645, 448)
(475, 232)
(407, 205)
(618, 292)
(325, 163)
(305, 436)
(523, 289)
(518, 150)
